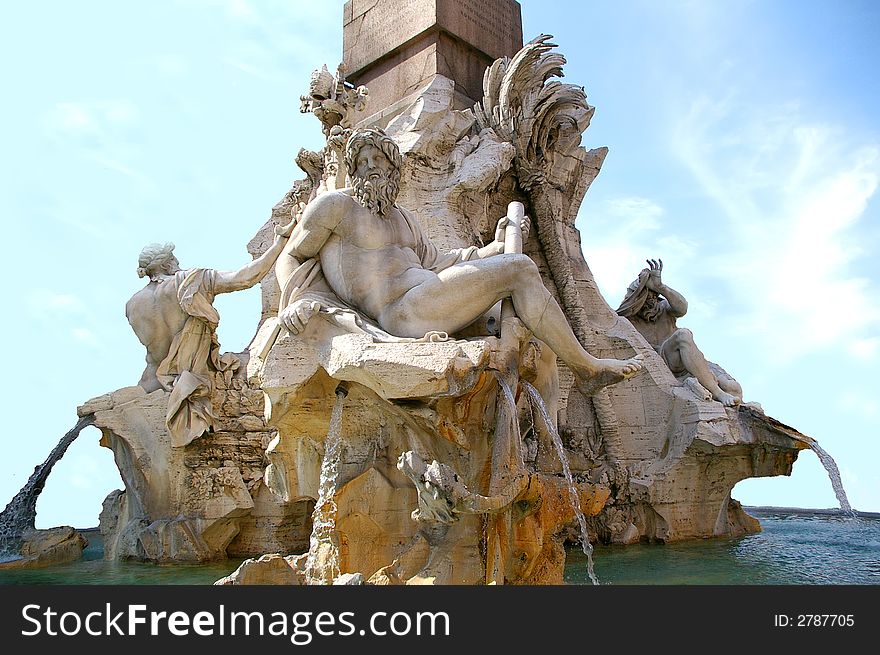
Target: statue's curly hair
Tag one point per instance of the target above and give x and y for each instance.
(372, 137)
(153, 257)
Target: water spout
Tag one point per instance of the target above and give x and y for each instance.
(322, 563)
(510, 411)
(566, 469)
(21, 512)
(833, 474)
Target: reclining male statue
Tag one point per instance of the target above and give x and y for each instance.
(380, 267)
(652, 308)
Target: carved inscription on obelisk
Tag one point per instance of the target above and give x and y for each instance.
(395, 47)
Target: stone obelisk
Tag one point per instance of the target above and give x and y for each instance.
(396, 47)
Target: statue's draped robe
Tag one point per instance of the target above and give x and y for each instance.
(636, 294)
(188, 370)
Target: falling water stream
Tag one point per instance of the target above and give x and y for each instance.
(834, 475)
(510, 410)
(324, 514)
(21, 512)
(566, 469)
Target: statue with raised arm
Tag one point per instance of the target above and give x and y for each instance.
(174, 318)
(653, 308)
(358, 251)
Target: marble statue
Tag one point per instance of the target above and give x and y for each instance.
(653, 308)
(173, 317)
(332, 99)
(443, 495)
(377, 261)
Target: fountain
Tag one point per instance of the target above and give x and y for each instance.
(435, 485)
(509, 406)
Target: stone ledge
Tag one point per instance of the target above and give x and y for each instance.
(392, 370)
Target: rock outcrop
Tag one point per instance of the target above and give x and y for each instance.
(42, 548)
(200, 502)
(272, 569)
(442, 400)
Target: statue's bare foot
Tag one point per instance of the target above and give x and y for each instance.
(608, 372)
(726, 399)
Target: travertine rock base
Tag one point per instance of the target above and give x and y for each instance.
(203, 501)
(40, 548)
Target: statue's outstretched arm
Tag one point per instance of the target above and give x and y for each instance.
(497, 246)
(248, 275)
(436, 261)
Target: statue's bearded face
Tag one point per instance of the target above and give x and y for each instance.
(376, 181)
(651, 309)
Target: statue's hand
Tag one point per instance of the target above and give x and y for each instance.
(500, 228)
(296, 316)
(283, 231)
(503, 222)
(655, 268)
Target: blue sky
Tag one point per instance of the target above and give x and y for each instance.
(744, 150)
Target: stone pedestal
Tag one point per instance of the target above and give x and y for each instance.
(204, 501)
(484, 516)
(395, 48)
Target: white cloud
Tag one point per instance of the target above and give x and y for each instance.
(865, 348)
(65, 312)
(101, 132)
(637, 213)
(859, 402)
(172, 65)
(272, 45)
(72, 116)
(862, 490)
(248, 69)
(83, 472)
(45, 302)
(240, 9)
(90, 117)
(119, 111)
(113, 164)
(621, 233)
(85, 336)
(677, 248)
(235, 9)
(793, 193)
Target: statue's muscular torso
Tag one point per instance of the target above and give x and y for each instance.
(369, 261)
(155, 316)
